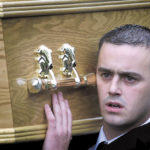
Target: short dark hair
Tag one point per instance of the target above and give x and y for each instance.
(130, 34)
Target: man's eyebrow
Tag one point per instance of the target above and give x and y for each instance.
(134, 74)
(102, 69)
(122, 73)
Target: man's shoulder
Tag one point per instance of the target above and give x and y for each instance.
(136, 139)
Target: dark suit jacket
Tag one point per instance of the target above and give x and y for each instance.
(136, 139)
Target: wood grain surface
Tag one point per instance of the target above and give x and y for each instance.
(5, 103)
(51, 31)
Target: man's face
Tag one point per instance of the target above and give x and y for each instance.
(123, 82)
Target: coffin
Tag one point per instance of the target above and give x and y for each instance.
(25, 26)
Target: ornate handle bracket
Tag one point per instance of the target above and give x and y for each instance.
(44, 63)
(69, 62)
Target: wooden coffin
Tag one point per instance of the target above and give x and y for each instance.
(24, 27)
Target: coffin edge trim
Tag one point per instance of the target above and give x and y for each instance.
(34, 8)
(37, 132)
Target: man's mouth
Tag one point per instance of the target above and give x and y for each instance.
(113, 106)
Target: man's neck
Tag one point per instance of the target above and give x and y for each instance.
(111, 133)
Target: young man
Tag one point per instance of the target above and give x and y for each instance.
(123, 82)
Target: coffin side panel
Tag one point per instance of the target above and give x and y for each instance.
(29, 33)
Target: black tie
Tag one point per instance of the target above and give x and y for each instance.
(101, 146)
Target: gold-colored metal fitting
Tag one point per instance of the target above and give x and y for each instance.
(44, 60)
(69, 62)
(46, 79)
(45, 65)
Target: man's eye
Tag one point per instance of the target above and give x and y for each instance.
(130, 79)
(106, 75)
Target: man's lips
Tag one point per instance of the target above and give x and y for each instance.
(114, 107)
(114, 104)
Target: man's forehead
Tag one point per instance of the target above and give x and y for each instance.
(126, 54)
(124, 60)
(109, 46)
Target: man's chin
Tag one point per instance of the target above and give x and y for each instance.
(115, 121)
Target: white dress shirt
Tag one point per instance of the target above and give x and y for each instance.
(102, 137)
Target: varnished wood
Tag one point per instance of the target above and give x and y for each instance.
(37, 132)
(28, 109)
(38, 7)
(5, 103)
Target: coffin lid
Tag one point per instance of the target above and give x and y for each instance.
(18, 8)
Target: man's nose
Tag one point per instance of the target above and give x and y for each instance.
(115, 88)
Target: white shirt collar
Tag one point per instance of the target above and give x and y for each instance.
(102, 137)
(147, 121)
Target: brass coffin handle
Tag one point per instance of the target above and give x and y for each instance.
(46, 78)
(37, 85)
